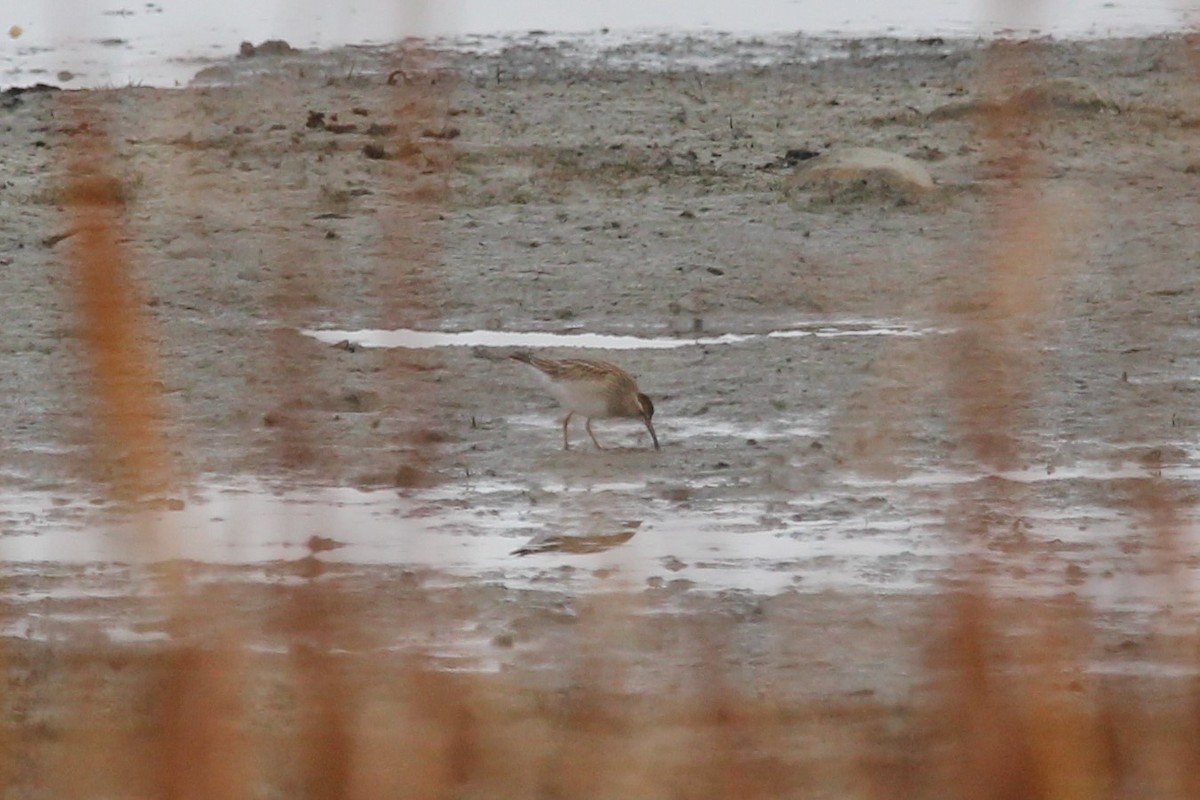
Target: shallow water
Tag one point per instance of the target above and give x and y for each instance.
(415, 339)
(468, 531)
(858, 534)
(73, 568)
(159, 43)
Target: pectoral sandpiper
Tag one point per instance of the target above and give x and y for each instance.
(592, 389)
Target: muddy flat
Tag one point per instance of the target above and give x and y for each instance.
(867, 401)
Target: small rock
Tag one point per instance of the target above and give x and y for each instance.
(374, 151)
(859, 173)
(55, 238)
(271, 47)
(797, 154)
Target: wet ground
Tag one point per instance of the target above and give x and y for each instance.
(317, 315)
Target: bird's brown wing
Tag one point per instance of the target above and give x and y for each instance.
(580, 369)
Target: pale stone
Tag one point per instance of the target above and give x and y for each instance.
(861, 173)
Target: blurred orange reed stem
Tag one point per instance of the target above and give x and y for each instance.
(196, 753)
(129, 439)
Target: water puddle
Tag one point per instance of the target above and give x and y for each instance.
(420, 340)
(854, 535)
(612, 536)
(560, 537)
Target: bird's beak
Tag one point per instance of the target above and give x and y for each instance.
(650, 427)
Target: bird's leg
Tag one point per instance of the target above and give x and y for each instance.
(566, 443)
(588, 425)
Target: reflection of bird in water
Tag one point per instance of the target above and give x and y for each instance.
(593, 389)
(588, 543)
